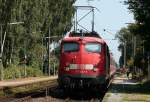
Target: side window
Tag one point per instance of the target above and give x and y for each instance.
(70, 47)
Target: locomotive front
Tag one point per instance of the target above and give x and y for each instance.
(83, 62)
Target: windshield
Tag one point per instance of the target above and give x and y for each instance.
(70, 47)
(93, 47)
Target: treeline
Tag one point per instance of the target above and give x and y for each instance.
(26, 22)
(135, 38)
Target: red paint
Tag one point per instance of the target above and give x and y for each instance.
(83, 57)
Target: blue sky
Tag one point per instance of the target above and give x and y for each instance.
(112, 16)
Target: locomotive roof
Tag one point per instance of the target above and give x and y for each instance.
(86, 36)
(90, 39)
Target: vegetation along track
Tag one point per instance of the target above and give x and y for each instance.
(52, 93)
(27, 92)
(55, 94)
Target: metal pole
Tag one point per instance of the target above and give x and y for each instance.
(74, 24)
(54, 59)
(134, 53)
(125, 54)
(1, 35)
(2, 47)
(25, 68)
(1, 66)
(143, 48)
(49, 52)
(148, 67)
(42, 54)
(143, 59)
(25, 58)
(1, 55)
(54, 68)
(1, 63)
(76, 28)
(134, 45)
(93, 20)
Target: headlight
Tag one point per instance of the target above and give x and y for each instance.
(67, 68)
(95, 68)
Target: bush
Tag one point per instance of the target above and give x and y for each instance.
(33, 72)
(16, 71)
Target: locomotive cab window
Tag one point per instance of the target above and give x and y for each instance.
(93, 47)
(70, 47)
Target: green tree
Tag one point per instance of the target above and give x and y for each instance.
(134, 47)
(141, 11)
(38, 16)
(125, 38)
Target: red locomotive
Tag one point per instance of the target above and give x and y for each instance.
(85, 61)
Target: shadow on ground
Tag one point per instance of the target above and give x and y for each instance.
(84, 94)
(130, 88)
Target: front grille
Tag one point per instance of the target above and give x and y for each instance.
(80, 82)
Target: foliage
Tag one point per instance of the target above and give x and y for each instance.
(141, 11)
(15, 71)
(133, 44)
(125, 37)
(24, 40)
(130, 62)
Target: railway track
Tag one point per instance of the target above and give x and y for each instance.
(52, 93)
(27, 96)
(55, 94)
